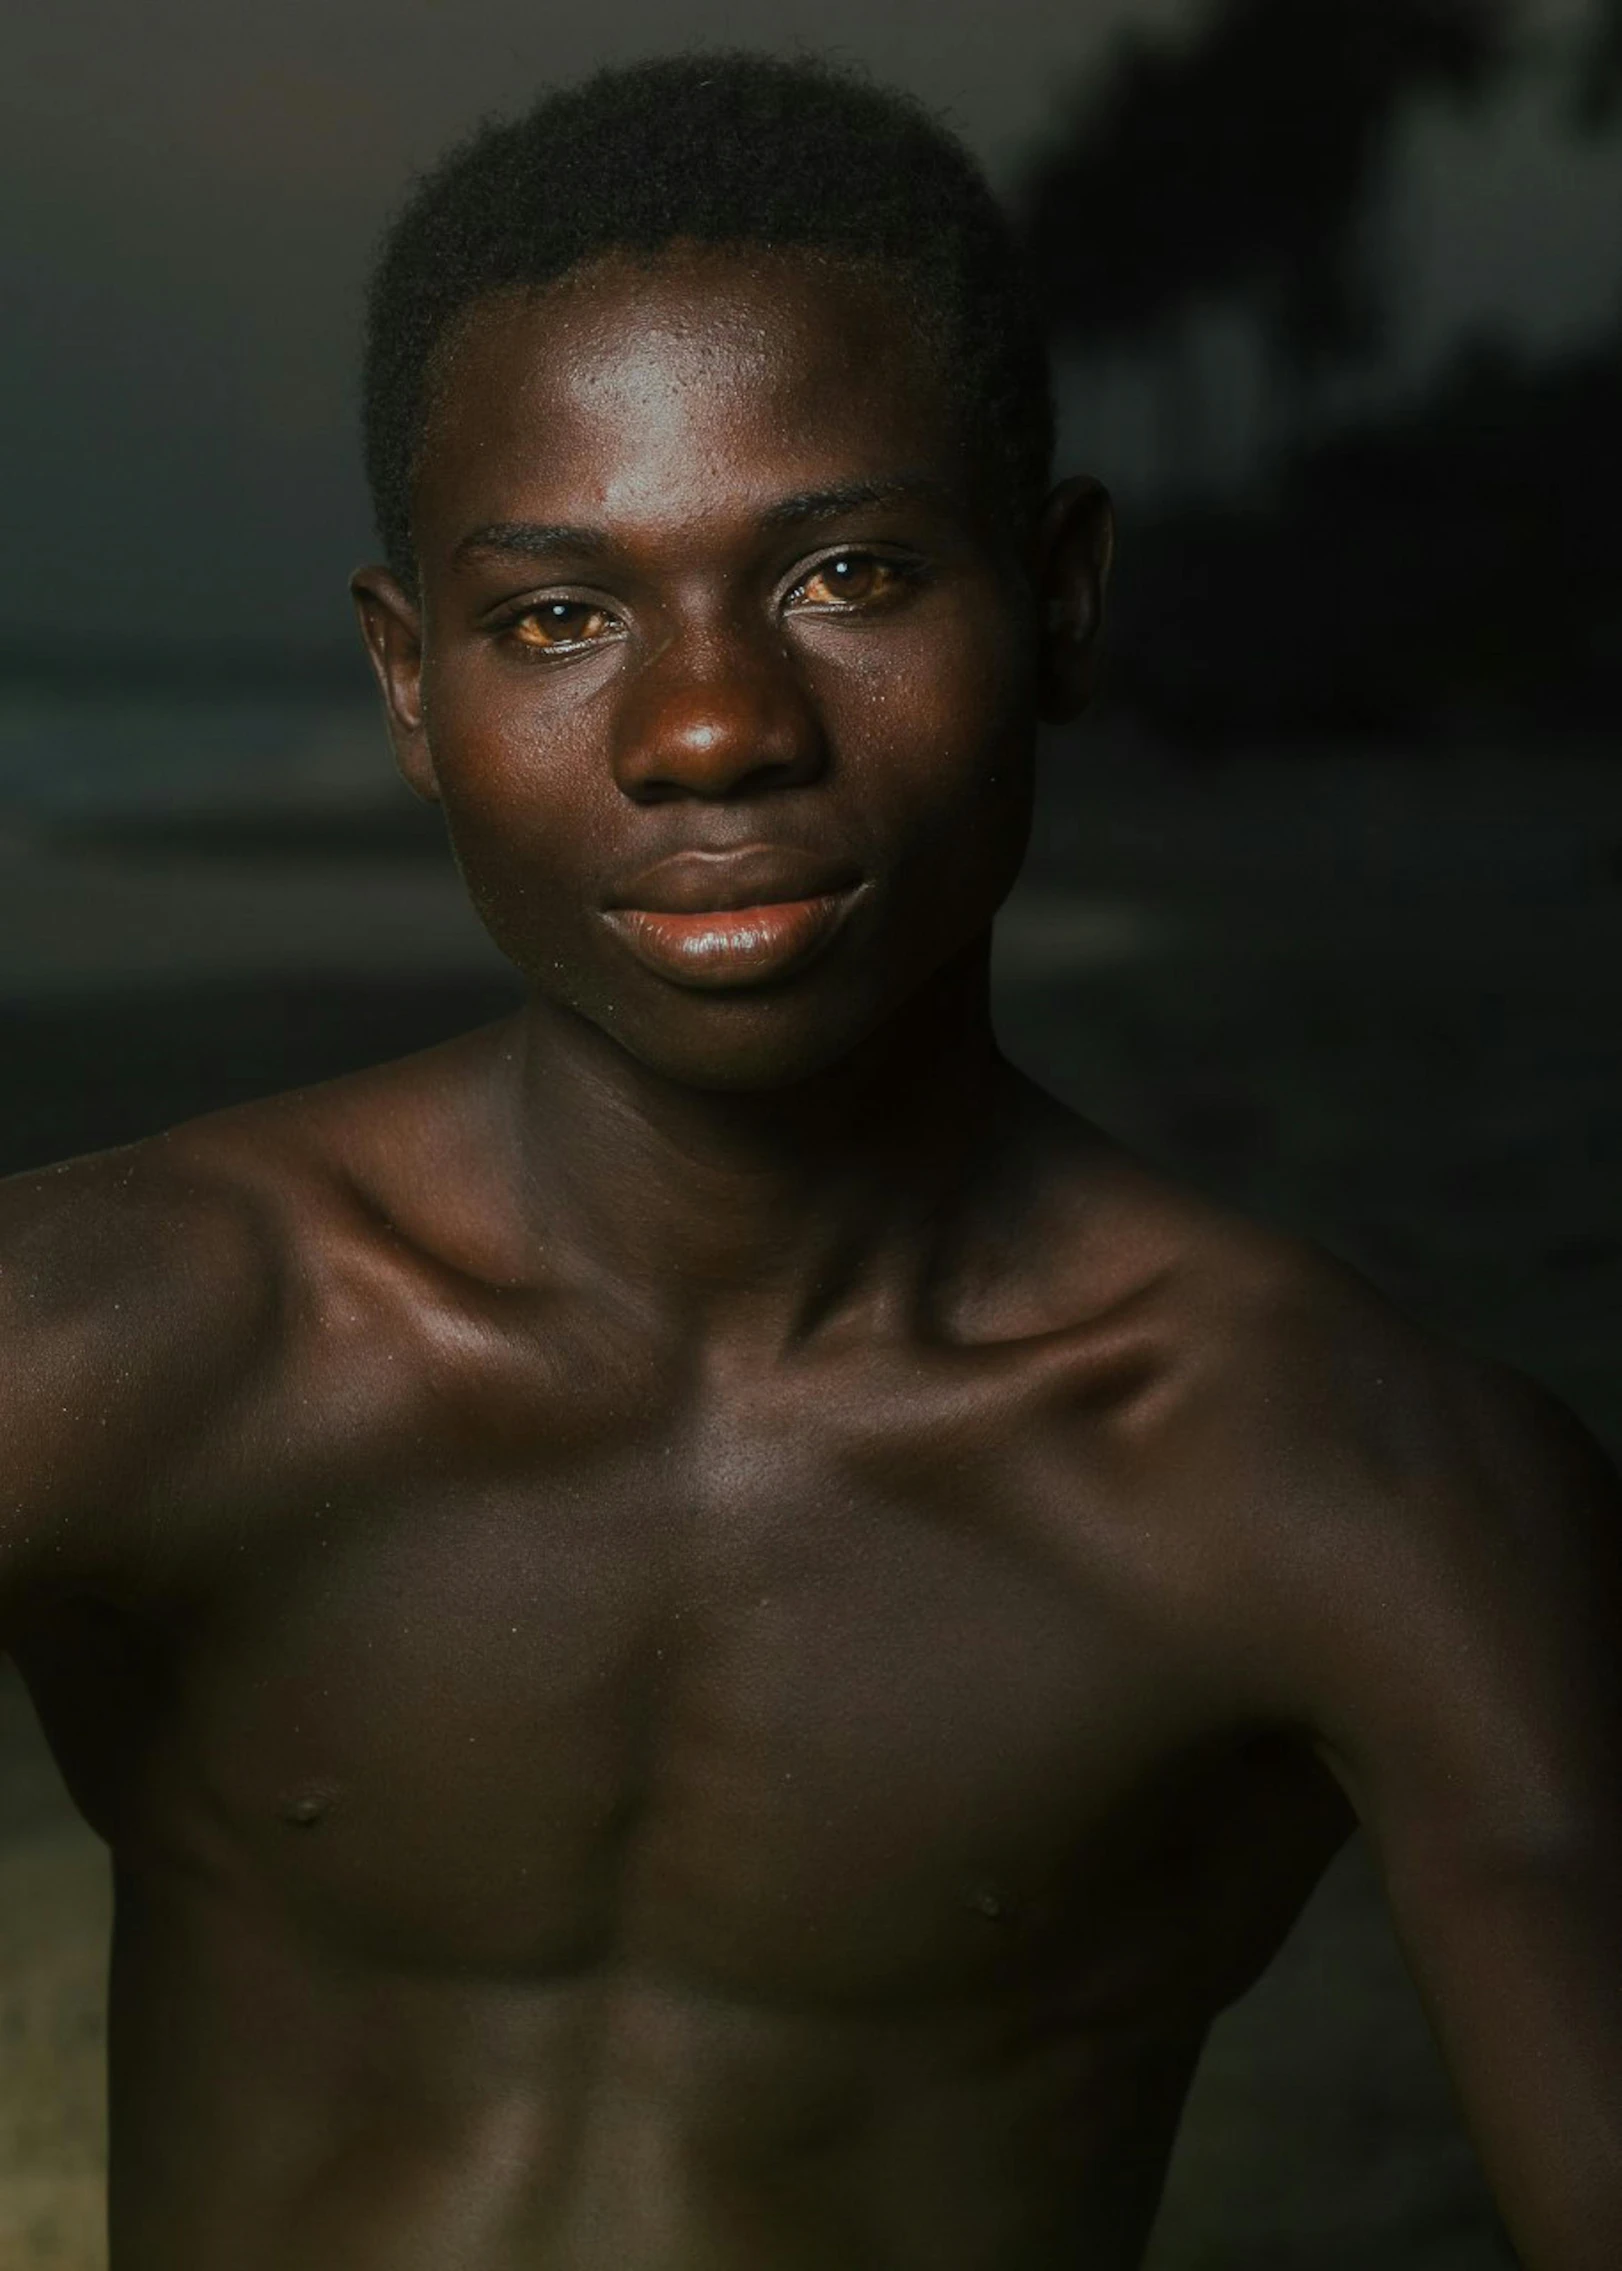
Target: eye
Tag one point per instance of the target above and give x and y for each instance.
(849, 579)
(554, 623)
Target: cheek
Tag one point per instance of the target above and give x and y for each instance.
(512, 775)
(939, 749)
(518, 790)
(941, 740)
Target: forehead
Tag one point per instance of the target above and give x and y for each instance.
(666, 385)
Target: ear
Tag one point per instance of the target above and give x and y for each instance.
(391, 625)
(1073, 551)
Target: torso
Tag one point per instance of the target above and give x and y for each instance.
(581, 1808)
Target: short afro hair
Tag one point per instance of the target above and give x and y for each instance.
(732, 148)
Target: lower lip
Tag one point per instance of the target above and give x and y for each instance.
(731, 946)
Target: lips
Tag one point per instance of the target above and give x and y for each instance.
(733, 918)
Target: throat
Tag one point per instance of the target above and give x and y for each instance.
(783, 1207)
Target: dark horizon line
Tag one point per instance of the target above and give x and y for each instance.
(253, 667)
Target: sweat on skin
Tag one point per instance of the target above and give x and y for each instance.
(706, 1632)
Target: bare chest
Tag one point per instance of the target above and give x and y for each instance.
(776, 1717)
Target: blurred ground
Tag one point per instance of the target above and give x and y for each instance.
(1374, 996)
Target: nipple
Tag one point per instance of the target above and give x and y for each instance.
(302, 1809)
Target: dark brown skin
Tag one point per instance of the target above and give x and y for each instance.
(708, 1635)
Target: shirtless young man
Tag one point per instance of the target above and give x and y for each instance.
(707, 1635)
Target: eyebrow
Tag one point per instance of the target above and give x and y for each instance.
(533, 539)
(849, 496)
(530, 539)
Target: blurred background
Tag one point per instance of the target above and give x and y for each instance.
(1325, 907)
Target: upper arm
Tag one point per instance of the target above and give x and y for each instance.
(126, 1294)
(1450, 1630)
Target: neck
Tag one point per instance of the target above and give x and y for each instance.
(771, 1210)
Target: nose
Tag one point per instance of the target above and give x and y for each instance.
(717, 716)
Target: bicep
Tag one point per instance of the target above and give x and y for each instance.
(124, 1310)
(1468, 1692)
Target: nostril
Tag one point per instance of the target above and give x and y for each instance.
(721, 751)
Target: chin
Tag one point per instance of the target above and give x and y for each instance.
(748, 1041)
(743, 1046)
(756, 1039)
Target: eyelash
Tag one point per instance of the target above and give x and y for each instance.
(908, 573)
(905, 572)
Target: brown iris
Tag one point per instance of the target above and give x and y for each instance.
(848, 581)
(562, 623)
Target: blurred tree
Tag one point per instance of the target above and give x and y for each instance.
(1235, 168)
(1442, 564)
(1599, 89)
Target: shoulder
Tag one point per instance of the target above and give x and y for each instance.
(142, 1292)
(199, 1233)
(1299, 1454)
(1394, 1538)
(144, 1227)
(124, 1275)
(150, 1296)
(1260, 1342)
(1328, 1396)
(1313, 1401)
(1238, 1327)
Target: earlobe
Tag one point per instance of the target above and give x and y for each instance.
(1075, 548)
(391, 626)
